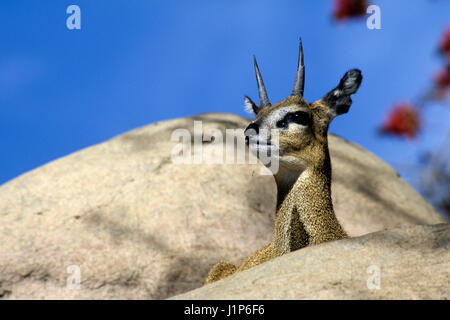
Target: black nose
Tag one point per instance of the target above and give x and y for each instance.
(252, 126)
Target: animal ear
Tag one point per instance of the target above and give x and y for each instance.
(338, 100)
(250, 106)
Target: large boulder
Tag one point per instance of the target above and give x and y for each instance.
(408, 263)
(136, 225)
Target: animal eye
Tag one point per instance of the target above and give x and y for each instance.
(282, 123)
(299, 117)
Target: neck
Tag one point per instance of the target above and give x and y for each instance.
(305, 212)
(313, 190)
(285, 180)
(308, 177)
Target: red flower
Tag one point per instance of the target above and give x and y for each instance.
(442, 79)
(344, 9)
(445, 44)
(442, 82)
(403, 120)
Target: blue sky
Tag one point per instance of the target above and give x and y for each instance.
(136, 62)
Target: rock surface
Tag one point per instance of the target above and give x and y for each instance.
(408, 263)
(138, 226)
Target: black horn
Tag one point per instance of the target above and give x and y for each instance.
(299, 83)
(263, 98)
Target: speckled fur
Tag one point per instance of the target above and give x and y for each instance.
(305, 214)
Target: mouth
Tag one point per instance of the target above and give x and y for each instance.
(263, 149)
